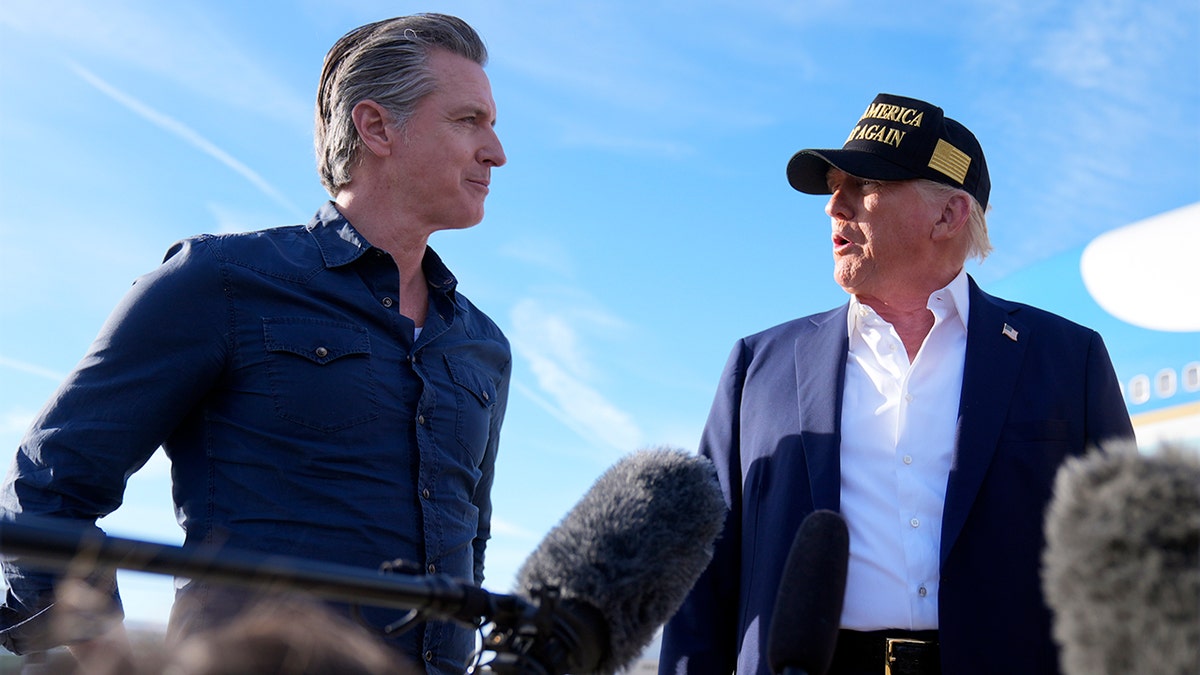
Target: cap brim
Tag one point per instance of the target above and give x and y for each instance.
(808, 168)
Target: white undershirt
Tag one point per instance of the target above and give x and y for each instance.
(898, 431)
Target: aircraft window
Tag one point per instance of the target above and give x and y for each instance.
(1191, 376)
(1164, 383)
(1139, 389)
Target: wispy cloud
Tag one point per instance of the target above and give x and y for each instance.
(229, 220)
(185, 133)
(16, 421)
(601, 80)
(547, 255)
(510, 530)
(1103, 81)
(1104, 46)
(31, 369)
(185, 44)
(550, 342)
(575, 135)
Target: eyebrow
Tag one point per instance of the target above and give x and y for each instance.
(474, 109)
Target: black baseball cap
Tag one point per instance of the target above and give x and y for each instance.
(899, 138)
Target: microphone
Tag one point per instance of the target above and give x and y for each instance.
(808, 606)
(1121, 568)
(622, 560)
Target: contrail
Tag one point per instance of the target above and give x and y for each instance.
(31, 369)
(184, 132)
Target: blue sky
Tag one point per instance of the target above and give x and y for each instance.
(643, 222)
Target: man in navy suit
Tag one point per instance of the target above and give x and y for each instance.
(931, 415)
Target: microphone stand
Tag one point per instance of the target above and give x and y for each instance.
(528, 638)
(50, 544)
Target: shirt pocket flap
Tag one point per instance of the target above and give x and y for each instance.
(470, 378)
(317, 340)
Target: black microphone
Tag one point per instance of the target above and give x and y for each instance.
(621, 562)
(1121, 568)
(808, 606)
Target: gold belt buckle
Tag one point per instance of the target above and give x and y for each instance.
(897, 647)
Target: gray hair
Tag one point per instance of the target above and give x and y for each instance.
(385, 62)
(978, 243)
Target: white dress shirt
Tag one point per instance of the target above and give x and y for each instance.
(898, 430)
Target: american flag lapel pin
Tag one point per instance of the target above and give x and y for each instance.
(1009, 332)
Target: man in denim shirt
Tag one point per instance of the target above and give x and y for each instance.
(323, 390)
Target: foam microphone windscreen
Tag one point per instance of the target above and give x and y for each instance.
(632, 547)
(808, 605)
(1121, 568)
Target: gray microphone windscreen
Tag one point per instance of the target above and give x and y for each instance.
(1121, 569)
(633, 547)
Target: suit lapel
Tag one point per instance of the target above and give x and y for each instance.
(996, 343)
(820, 356)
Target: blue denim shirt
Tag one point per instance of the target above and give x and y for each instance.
(299, 415)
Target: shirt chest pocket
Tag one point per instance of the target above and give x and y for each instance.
(474, 396)
(320, 372)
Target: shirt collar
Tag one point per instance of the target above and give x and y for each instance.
(959, 292)
(955, 295)
(437, 275)
(341, 244)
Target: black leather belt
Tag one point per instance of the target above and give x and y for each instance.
(887, 652)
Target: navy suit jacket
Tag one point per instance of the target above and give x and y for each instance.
(773, 432)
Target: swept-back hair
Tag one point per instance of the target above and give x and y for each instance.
(386, 62)
(979, 245)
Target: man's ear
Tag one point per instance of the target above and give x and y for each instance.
(374, 125)
(953, 219)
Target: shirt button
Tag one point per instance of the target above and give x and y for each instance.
(322, 352)
(387, 302)
(432, 568)
(485, 396)
(428, 656)
(421, 420)
(908, 398)
(908, 459)
(922, 592)
(914, 522)
(425, 493)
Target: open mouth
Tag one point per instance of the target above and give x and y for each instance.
(841, 243)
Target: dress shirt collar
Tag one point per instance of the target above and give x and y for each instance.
(955, 295)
